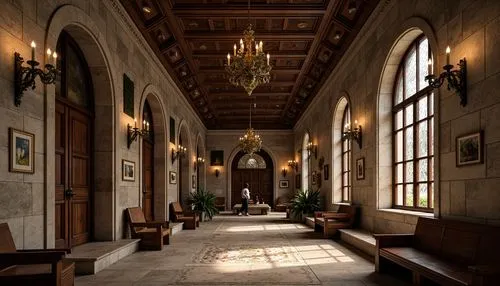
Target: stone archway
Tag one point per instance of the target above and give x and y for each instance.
(184, 167)
(337, 129)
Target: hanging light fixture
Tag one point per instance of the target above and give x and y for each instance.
(249, 66)
(250, 142)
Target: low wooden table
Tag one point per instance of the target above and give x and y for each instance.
(263, 208)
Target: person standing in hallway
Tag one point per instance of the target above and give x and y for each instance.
(245, 196)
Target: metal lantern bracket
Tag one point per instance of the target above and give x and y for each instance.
(133, 133)
(355, 134)
(457, 80)
(24, 77)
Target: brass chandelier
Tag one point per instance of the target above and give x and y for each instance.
(251, 141)
(249, 66)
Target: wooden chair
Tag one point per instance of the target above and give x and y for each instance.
(190, 220)
(32, 267)
(220, 203)
(330, 222)
(153, 234)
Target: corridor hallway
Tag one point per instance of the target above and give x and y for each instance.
(254, 250)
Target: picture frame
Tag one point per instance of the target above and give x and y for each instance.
(21, 151)
(284, 184)
(172, 177)
(193, 182)
(128, 170)
(217, 158)
(326, 171)
(297, 181)
(314, 180)
(469, 149)
(128, 96)
(360, 169)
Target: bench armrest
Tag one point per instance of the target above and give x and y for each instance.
(393, 240)
(323, 213)
(336, 215)
(485, 270)
(66, 250)
(34, 257)
(157, 225)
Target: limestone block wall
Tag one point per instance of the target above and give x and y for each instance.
(470, 28)
(278, 144)
(112, 45)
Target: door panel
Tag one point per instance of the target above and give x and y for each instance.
(148, 179)
(61, 204)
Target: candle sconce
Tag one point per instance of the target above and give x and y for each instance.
(284, 172)
(217, 173)
(354, 134)
(457, 79)
(312, 149)
(133, 133)
(181, 152)
(198, 161)
(24, 77)
(293, 164)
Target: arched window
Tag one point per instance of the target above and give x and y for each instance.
(413, 133)
(305, 163)
(346, 158)
(253, 161)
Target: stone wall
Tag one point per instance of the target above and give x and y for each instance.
(112, 45)
(365, 76)
(276, 143)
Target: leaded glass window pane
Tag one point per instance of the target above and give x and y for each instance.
(253, 161)
(410, 74)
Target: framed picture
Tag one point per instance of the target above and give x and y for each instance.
(21, 151)
(128, 170)
(314, 178)
(297, 181)
(172, 177)
(469, 149)
(128, 96)
(193, 182)
(217, 158)
(360, 169)
(284, 184)
(326, 170)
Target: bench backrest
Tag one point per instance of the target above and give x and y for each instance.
(6, 241)
(462, 242)
(135, 215)
(348, 209)
(176, 208)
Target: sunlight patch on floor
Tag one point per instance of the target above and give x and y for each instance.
(246, 228)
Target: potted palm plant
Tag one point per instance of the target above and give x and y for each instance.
(203, 202)
(305, 203)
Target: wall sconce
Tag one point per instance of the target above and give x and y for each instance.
(456, 78)
(24, 77)
(312, 149)
(132, 133)
(198, 161)
(283, 172)
(293, 164)
(354, 134)
(181, 152)
(217, 173)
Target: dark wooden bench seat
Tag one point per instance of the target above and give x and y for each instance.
(191, 220)
(153, 234)
(444, 251)
(330, 221)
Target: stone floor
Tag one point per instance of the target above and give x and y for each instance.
(254, 250)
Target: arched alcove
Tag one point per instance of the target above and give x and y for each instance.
(337, 128)
(305, 162)
(183, 176)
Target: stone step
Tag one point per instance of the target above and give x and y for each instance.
(175, 227)
(359, 238)
(93, 257)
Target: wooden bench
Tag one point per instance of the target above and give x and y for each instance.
(263, 209)
(220, 203)
(444, 251)
(32, 267)
(153, 235)
(330, 221)
(191, 220)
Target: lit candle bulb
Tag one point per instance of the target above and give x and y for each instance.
(242, 47)
(147, 126)
(261, 46)
(256, 48)
(49, 53)
(448, 55)
(268, 57)
(429, 66)
(135, 123)
(235, 50)
(144, 123)
(228, 59)
(33, 46)
(54, 56)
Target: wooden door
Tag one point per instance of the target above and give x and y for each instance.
(73, 176)
(148, 180)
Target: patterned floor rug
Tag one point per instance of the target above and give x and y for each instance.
(248, 254)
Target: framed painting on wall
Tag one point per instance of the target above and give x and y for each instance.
(469, 149)
(172, 177)
(283, 184)
(193, 182)
(217, 158)
(128, 96)
(128, 170)
(21, 151)
(297, 181)
(314, 178)
(360, 169)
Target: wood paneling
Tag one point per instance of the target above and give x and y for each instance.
(148, 179)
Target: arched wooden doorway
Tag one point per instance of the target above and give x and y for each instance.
(257, 170)
(148, 164)
(74, 116)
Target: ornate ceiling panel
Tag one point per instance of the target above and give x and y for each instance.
(306, 40)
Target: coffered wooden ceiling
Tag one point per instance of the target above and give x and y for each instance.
(306, 39)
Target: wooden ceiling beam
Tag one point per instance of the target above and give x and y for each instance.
(243, 95)
(297, 55)
(291, 36)
(223, 70)
(223, 11)
(274, 83)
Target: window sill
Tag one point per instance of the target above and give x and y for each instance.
(407, 212)
(342, 203)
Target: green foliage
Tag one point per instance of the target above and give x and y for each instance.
(305, 202)
(204, 201)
